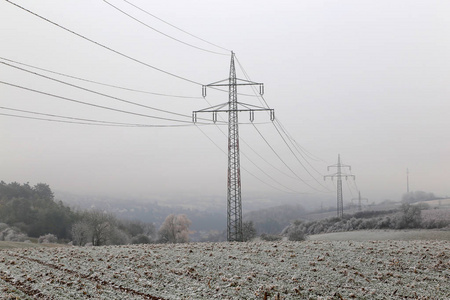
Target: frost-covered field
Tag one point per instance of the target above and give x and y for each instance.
(260, 270)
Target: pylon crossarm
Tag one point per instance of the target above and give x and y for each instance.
(331, 175)
(234, 200)
(252, 107)
(248, 81)
(212, 108)
(225, 82)
(217, 82)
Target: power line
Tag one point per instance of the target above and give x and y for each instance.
(250, 173)
(251, 148)
(256, 165)
(101, 83)
(265, 173)
(277, 119)
(282, 159)
(287, 135)
(81, 121)
(279, 122)
(90, 104)
(160, 32)
(95, 92)
(349, 188)
(203, 40)
(294, 144)
(265, 160)
(58, 121)
(297, 145)
(287, 166)
(290, 149)
(103, 46)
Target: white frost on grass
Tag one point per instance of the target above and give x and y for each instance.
(292, 270)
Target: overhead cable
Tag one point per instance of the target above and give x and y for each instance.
(256, 165)
(250, 173)
(101, 83)
(91, 104)
(184, 31)
(160, 32)
(81, 121)
(287, 166)
(295, 144)
(105, 47)
(290, 149)
(285, 132)
(97, 93)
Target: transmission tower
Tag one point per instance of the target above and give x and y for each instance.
(360, 200)
(339, 175)
(407, 181)
(233, 107)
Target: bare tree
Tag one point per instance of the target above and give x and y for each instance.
(248, 231)
(101, 226)
(80, 233)
(175, 229)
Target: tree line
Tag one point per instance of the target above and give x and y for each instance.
(408, 216)
(32, 212)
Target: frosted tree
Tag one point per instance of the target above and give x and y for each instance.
(175, 229)
(80, 233)
(248, 231)
(101, 225)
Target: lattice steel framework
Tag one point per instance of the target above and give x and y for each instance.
(360, 200)
(339, 175)
(234, 202)
(232, 107)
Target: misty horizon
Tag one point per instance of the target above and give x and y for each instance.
(367, 81)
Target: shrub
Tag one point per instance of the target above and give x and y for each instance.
(384, 223)
(296, 231)
(12, 235)
(141, 239)
(409, 217)
(296, 235)
(118, 237)
(270, 237)
(47, 239)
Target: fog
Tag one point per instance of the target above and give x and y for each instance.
(364, 79)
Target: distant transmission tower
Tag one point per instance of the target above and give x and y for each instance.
(407, 181)
(233, 107)
(360, 200)
(339, 175)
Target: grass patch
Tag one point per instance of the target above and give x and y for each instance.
(13, 245)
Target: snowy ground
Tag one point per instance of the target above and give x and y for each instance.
(261, 270)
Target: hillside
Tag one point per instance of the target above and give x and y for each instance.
(274, 219)
(145, 210)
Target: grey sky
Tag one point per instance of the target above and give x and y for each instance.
(366, 79)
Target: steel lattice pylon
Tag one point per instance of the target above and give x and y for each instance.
(360, 199)
(339, 175)
(234, 201)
